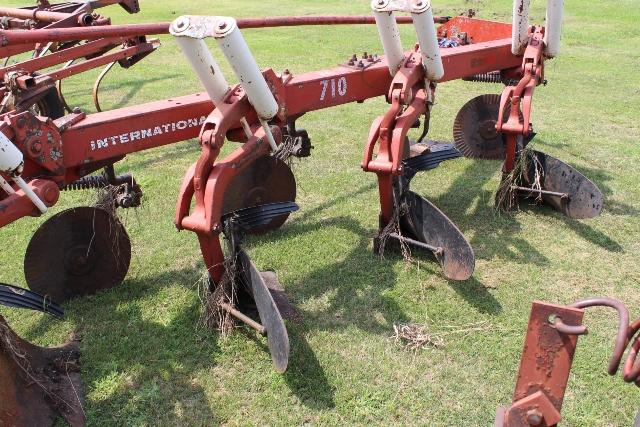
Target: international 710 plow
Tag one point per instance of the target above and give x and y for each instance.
(252, 190)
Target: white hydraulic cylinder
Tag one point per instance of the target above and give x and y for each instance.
(520, 26)
(30, 194)
(5, 186)
(199, 56)
(190, 31)
(11, 159)
(389, 35)
(422, 16)
(11, 163)
(553, 27)
(245, 67)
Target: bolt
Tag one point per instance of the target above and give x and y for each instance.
(77, 110)
(534, 417)
(365, 56)
(182, 23)
(419, 3)
(36, 147)
(286, 71)
(222, 25)
(50, 195)
(360, 64)
(380, 2)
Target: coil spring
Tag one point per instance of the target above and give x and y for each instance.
(625, 337)
(492, 77)
(87, 183)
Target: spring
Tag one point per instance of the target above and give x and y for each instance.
(87, 183)
(492, 77)
(625, 338)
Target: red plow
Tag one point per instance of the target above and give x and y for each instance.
(253, 190)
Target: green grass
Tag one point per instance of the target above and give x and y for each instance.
(146, 362)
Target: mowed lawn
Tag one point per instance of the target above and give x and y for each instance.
(146, 362)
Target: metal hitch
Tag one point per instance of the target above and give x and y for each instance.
(549, 349)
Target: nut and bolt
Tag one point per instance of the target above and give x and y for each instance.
(534, 417)
(36, 147)
(181, 24)
(222, 25)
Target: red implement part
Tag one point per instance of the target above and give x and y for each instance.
(548, 354)
(520, 97)
(38, 384)
(91, 142)
(18, 205)
(8, 38)
(474, 31)
(544, 368)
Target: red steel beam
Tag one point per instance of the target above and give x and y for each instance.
(62, 56)
(315, 91)
(35, 14)
(101, 60)
(115, 133)
(11, 37)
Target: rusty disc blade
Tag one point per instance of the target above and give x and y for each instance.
(277, 337)
(474, 129)
(426, 223)
(266, 180)
(585, 200)
(77, 252)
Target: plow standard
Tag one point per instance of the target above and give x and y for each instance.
(253, 190)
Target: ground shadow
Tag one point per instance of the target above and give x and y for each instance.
(305, 376)
(470, 206)
(580, 227)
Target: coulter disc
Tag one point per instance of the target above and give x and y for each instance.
(77, 252)
(266, 180)
(474, 129)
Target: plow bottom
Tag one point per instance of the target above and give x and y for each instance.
(428, 224)
(37, 385)
(270, 318)
(563, 187)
